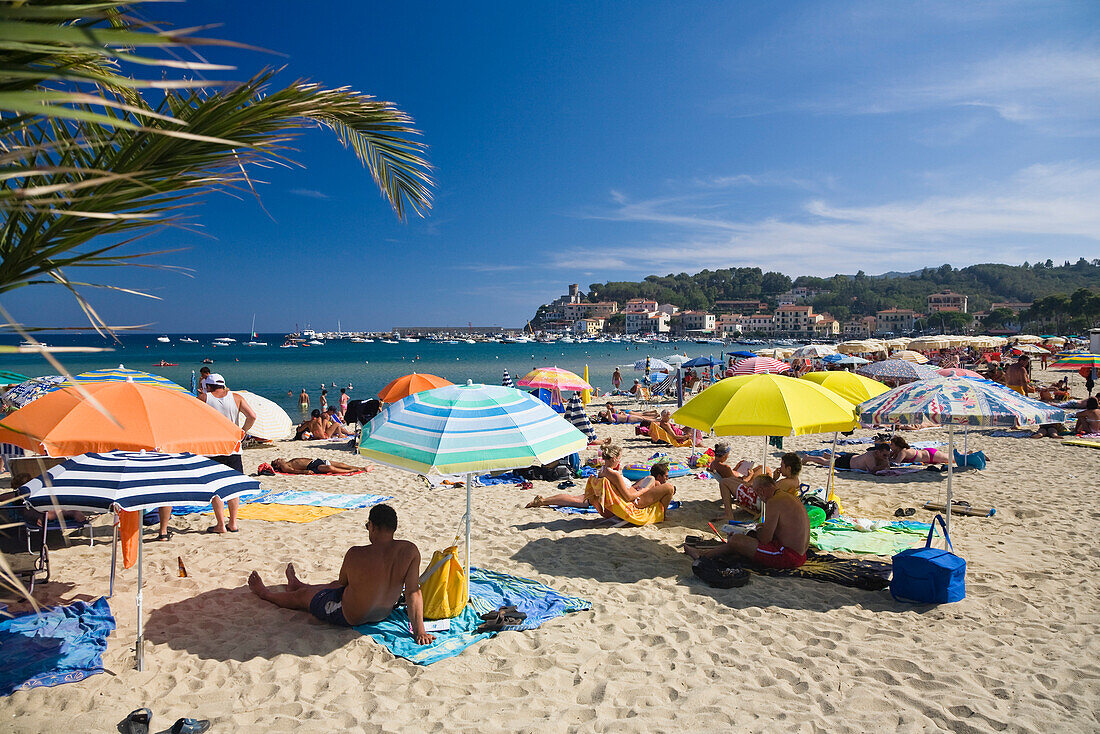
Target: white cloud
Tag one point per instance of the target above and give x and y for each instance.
(310, 193)
(1047, 210)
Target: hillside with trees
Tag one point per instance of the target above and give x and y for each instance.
(1061, 292)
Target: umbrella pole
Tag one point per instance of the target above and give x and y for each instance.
(469, 496)
(139, 648)
(966, 440)
(114, 555)
(832, 464)
(764, 456)
(679, 389)
(950, 467)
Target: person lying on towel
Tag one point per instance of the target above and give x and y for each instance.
(902, 453)
(371, 581)
(652, 491)
(782, 538)
(314, 466)
(610, 415)
(874, 459)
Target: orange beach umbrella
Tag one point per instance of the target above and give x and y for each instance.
(405, 386)
(149, 418)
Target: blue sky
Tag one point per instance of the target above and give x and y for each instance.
(581, 142)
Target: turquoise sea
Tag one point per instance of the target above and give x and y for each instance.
(279, 374)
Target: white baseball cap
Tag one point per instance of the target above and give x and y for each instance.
(214, 379)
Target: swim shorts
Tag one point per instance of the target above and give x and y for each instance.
(316, 464)
(843, 461)
(328, 606)
(773, 555)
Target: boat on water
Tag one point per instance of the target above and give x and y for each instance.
(188, 340)
(388, 341)
(288, 345)
(409, 340)
(360, 340)
(164, 340)
(254, 336)
(162, 363)
(315, 343)
(208, 361)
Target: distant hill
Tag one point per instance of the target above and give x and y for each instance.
(844, 296)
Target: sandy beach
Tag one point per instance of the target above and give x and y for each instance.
(658, 651)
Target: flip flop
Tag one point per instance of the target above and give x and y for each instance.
(499, 612)
(136, 722)
(905, 512)
(189, 726)
(165, 536)
(234, 530)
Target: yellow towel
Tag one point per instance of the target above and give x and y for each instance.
(660, 435)
(599, 492)
(285, 513)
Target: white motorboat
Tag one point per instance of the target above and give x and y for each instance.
(164, 340)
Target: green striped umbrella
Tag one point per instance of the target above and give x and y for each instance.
(462, 429)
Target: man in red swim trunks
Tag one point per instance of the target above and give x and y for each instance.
(781, 539)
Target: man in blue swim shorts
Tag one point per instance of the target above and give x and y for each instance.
(372, 579)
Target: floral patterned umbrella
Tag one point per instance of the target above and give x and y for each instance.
(896, 369)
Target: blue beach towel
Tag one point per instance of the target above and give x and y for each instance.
(674, 505)
(59, 645)
(489, 590)
(486, 480)
(314, 498)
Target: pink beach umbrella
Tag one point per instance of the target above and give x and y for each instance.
(958, 372)
(760, 365)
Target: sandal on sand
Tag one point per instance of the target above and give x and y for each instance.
(188, 726)
(501, 618)
(136, 722)
(213, 530)
(905, 512)
(165, 536)
(537, 502)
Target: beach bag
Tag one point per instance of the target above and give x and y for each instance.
(720, 573)
(443, 585)
(929, 575)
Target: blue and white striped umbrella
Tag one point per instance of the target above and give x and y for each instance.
(135, 480)
(507, 381)
(574, 413)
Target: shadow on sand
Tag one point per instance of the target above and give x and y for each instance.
(218, 624)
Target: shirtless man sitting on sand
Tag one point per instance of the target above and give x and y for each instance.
(370, 583)
(651, 490)
(782, 537)
(1018, 376)
(875, 459)
(314, 466)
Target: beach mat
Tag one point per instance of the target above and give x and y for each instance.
(489, 590)
(315, 498)
(853, 573)
(58, 645)
(838, 535)
(286, 513)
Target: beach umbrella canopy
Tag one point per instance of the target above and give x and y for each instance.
(910, 356)
(135, 481)
(767, 405)
(31, 390)
(1029, 349)
(958, 372)
(703, 362)
(848, 385)
(743, 353)
(11, 378)
(653, 365)
(1024, 339)
(402, 387)
(858, 346)
(760, 365)
(896, 369)
(1075, 361)
(468, 428)
(272, 422)
(121, 374)
(506, 381)
(929, 342)
(462, 429)
(146, 418)
(814, 351)
(553, 378)
(900, 342)
(675, 360)
(845, 359)
(575, 414)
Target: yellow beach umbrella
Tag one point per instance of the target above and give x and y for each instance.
(848, 385)
(767, 405)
